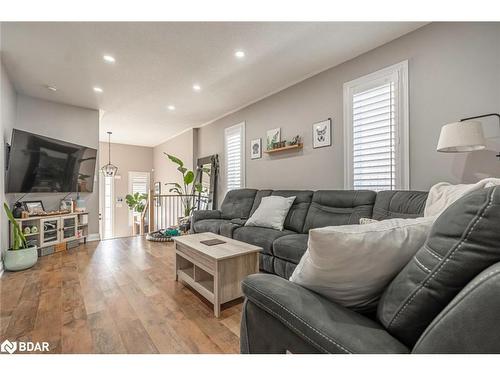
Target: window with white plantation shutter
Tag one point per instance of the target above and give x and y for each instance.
(138, 183)
(376, 130)
(234, 143)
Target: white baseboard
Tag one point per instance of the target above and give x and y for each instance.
(93, 237)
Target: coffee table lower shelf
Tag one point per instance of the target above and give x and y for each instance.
(204, 287)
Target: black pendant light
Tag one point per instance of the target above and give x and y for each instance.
(109, 170)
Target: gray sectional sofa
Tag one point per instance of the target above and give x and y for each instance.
(445, 300)
(282, 250)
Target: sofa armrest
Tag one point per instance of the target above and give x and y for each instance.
(321, 324)
(204, 215)
(471, 321)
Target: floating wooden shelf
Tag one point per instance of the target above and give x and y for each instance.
(292, 147)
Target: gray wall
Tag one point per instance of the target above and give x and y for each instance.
(68, 123)
(7, 118)
(183, 146)
(454, 72)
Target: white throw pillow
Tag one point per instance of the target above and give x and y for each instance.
(271, 212)
(352, 264)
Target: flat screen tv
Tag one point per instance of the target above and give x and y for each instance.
(39, 164)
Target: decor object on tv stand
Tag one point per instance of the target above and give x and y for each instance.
(21, 255)
(18, 210)
(322, 133)
(34, 207)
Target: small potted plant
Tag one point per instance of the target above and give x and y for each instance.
(21, 256)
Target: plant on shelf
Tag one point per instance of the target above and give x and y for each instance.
(190, 185)
(21, 255)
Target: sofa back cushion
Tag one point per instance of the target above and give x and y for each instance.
(338, 207)
(392, 204)
(258, 197)
(297, 214)
(237, 203)
(464, 240)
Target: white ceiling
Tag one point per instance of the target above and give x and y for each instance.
(158, 63)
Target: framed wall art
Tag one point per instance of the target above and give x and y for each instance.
(256, 148)
(322, 133)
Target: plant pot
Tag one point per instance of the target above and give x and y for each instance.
(22, 259)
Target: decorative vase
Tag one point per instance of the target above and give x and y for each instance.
(18, 210)
(22, 259)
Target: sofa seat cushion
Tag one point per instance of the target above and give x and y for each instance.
(209, 225)
(263, 237)
(291, 248)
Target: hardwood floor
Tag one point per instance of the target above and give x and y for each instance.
(114, 296)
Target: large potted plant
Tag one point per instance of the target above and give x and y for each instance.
(20, 256)
(190, 186)
(138, 204)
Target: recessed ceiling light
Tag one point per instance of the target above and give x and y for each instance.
(196, 87)
(171, 107)
(109, 59)
(98, 89)
(51, 88)
(239, 54)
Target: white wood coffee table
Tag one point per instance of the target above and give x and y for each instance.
(214, 271)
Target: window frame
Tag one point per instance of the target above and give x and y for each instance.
(240, 125)
(131, 175)
(402, 155)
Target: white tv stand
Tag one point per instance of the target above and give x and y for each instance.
(54, 230)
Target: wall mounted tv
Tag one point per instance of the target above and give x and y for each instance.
(39, 164)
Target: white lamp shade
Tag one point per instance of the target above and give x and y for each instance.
(461, 136)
